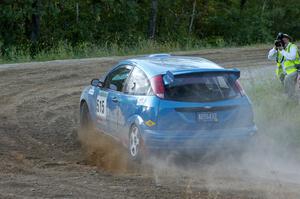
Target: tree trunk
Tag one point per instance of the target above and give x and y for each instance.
(77, 12)
(242, 4)
(153, 16)
(35, 28)
(263, 8)
(192, 17)
(35, 22)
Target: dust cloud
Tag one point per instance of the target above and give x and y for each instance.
(104, 152)
(258, 169)
(263, 168)
(266, 167)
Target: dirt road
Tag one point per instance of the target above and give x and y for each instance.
(41, 157)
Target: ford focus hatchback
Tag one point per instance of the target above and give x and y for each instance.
(163, 102)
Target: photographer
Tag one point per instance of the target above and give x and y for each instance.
(287, 57)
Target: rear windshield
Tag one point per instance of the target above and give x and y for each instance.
(202, 88)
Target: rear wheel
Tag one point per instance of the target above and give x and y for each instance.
(136, 151)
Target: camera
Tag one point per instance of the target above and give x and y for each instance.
(279, 43)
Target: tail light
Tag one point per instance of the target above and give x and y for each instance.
(240, 88)
(158, 86)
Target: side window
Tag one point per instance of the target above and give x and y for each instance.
(138, 83)
(116, 79)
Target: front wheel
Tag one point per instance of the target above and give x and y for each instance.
(85, 118)
(86, 129)
(136, 151)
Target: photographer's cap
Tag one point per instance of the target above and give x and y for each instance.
(283, 35)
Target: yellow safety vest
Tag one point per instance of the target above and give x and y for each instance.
(289, 65)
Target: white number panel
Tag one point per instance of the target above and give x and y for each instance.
(101, 105)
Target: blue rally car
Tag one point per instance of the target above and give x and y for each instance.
(163, 102)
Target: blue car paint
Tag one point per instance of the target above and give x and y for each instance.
(200, 139)
(134, 113)
(197, 134)
(153, 66)
(137, 110)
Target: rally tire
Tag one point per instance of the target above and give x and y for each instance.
(135, 146)
(85, 118)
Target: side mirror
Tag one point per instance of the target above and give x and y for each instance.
(97, 83)
(113, 87)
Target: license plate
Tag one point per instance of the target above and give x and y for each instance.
(207, 117)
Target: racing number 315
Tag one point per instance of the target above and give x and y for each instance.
(101, 106)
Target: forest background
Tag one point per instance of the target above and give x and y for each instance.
(60, 29)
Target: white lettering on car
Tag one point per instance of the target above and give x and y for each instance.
(92, 90)
(101, 105)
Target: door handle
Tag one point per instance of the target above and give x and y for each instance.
(115, 99)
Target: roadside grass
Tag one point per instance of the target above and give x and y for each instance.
(84, 50)
(65, 50)
(277, 117)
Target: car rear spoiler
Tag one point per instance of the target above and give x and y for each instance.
(169, 77)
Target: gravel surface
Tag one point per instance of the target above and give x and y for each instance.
(42, 158)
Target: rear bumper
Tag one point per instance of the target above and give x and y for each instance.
(196, 140)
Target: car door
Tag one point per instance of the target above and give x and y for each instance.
(99, 107)
(133, 101)
(109, 97)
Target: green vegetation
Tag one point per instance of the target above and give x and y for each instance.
(85, 50)
(276, 116)
(43, 30)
